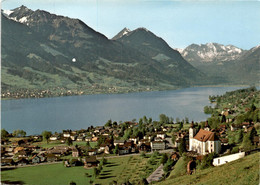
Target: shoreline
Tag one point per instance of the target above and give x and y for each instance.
(134, 91)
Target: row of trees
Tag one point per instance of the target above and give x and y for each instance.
(16, 133)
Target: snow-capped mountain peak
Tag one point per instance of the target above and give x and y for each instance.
(7, 12)
(211, 52)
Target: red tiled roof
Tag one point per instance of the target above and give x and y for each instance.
(204, 135)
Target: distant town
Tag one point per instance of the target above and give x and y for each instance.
(148, 150)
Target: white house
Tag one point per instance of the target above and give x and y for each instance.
(225, 159)
(158, 145)
(203, 142)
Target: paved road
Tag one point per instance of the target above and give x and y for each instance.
(156, 175)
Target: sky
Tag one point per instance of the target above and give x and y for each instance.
(179, 23)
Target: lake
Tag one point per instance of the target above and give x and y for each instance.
(76, 112)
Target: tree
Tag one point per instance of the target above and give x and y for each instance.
(173, 138)
(145, 119)
(4, 133)
(116, 150)
(164, 158)
(46, 135)
(140, 121)
(180, 125)
(19, 133)
(69, 141)
(239, 136)
(143, 181)
(150, 120)
(164, 119)
(114, 124)
(108, 123)
(186, 120)
(177, 120)
(182, 146)
(252, 134)
(246, 144)
(95, 172)
(101, 140)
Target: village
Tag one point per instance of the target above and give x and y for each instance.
(200, 142)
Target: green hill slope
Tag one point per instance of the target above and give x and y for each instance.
(243, 171)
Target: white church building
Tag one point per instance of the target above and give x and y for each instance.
(203, 142)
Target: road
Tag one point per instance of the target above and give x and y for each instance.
(156, 175)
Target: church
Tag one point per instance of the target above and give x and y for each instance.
(203, 142)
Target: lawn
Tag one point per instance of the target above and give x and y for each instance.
(240, 172)
(118, 169)
(47, 174)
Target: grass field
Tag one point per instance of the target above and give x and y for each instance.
(241, 172)
(130, 168)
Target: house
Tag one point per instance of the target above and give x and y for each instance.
(17, 149)
(123, 149)
(119, 142)
(145, 147)
(73, 137)
(22, 162)
(134, 139)
(92, 152)
(224, 141)
(203, 142)
(88, 139)
(102, 147)
(75, 152)
(158, 139)
(158, 145)
(61, 150)
(21, 153)
(36, 159)
(51, 158)
(228, 158)
(72, 162)
(54, 138)
(90, 161)
(143, 141)
(42, 156)
(161, 135)
(80, 138)
(66, 134)
(175, 156)
(149, 137)
(107, 149)
(234, 127)
(95, 139)
(7, 162)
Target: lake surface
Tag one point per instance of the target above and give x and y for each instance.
(76, 112)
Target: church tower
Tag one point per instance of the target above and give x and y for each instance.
(207, 126)
(192, 132)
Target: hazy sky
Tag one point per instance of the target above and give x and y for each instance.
(180, 23)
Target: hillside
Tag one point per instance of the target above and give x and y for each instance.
(44, 52)
(242, 171)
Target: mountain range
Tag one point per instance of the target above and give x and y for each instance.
(229, 62)
(44, 51)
